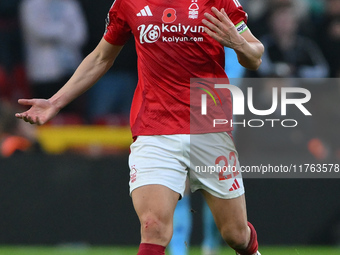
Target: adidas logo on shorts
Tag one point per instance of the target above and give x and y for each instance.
(235, 186)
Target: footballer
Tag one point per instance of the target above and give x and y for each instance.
(175, 41)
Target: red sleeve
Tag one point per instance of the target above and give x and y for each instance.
(117, 29)
(235, 11)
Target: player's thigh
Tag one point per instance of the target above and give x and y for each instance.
(154, 198)
(155, 202)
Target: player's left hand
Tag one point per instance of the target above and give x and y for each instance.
(222, 29)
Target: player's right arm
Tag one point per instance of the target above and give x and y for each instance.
(248, 48)
(92, 68)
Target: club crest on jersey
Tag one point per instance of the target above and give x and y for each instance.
(193, 10)
(149, 34)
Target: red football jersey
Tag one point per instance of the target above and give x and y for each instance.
(172, 48)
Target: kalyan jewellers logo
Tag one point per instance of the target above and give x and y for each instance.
(239, 105)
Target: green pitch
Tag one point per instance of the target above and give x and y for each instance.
(272, 250)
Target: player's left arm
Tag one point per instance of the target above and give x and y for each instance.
(248, 48)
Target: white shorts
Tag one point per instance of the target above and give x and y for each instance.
(209, 160)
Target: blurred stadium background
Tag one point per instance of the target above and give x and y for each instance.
(64, 186)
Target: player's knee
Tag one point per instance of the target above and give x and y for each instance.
(154, 228)
(237, 238)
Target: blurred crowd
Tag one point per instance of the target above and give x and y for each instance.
(43, 41)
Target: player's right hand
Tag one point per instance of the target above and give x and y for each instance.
(41, 111)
